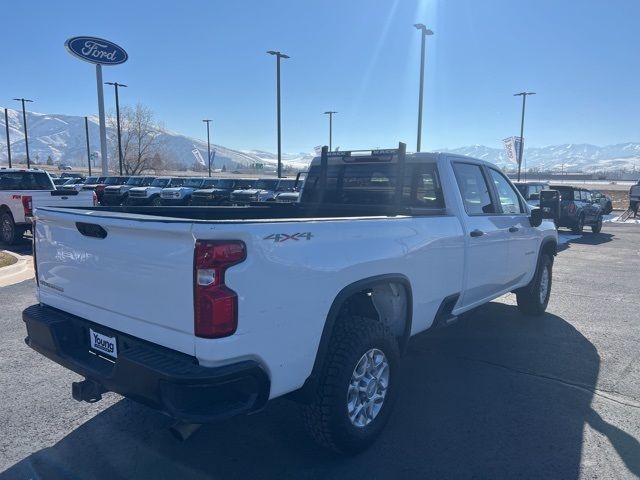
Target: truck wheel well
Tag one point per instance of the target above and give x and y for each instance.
(5, 209)
(384, 298)
(550, 247)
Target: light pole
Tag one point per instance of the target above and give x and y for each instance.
(278, 55)
(208, 121)
(424, 31)
(116, 85)
(24, 121)
(6, 126)
(330, 113)
(86, 131)
(524, 101)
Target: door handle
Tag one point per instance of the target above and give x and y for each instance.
(476, 233)
(513, 229)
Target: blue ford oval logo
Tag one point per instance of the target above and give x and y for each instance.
(96, 50)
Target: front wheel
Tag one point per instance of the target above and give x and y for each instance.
(357, 387)
(579, 226)
(597, 227)
(156, 202)
(8, 231)
(534, 298)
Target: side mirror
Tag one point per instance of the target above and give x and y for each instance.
(536, 217)
(550, 204)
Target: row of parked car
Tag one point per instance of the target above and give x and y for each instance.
(170, 191)
(579, 207)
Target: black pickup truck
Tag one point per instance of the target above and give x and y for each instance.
(578, 208)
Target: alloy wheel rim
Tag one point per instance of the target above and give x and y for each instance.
(368, 388)
(6, 229)
(544, 284)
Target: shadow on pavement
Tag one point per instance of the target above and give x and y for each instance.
(21, 247)
(498, 395)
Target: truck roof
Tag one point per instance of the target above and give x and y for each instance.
(7, 169)
(389, 156)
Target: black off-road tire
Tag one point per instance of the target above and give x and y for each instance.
(579, 227)
(530, 298)
(156, 201)
(597, 227)
(9, 233)
(326, 417)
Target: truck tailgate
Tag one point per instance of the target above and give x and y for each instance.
(138, 279)
(61, 198)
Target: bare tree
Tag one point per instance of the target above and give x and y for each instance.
(142, 146)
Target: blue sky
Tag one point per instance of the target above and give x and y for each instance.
(190, 60)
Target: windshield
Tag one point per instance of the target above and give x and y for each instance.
(177, 181)
(266, 184)
(285, 185)
(193, 183)
(160, 182)
(113, 181)
(225, 183)
(91, 180)
(209, 182)
(136, 181)
(244, 184)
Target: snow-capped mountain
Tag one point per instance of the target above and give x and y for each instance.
(62, 137)
(575, 157)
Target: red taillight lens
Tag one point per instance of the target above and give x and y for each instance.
(95, 199)
(27, 205)
(215, 305)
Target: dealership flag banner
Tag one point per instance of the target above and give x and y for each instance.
(512, 147)
(198, 155)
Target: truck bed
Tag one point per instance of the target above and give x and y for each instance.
(265, 211)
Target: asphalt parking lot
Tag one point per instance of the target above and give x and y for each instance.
(497, 395)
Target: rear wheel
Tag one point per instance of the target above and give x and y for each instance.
(9, 234)
(597, 227)
(357, 387)
(534, 298)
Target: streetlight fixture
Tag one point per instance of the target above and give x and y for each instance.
(24, 121)
(6, 126)
(330, 113)
(424, 32)
(116, 85)
(208, 121)
(278, 55)
(524, 101)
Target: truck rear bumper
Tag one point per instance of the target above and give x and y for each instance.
(158, 377)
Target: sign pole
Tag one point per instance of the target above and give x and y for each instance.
(6, 124)
(86, 131)
(103, 129)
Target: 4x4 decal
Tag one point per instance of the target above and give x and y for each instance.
(283, 237)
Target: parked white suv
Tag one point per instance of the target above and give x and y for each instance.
(210, 312)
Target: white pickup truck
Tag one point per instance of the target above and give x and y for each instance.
(204, 313)
(23, 190)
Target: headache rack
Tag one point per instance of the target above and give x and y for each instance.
(386, 155)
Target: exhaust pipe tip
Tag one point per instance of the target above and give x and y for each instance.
(183, 430)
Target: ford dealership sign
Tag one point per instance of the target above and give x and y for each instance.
(96, 50)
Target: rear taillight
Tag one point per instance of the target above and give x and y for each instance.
(215, 305)
(33, 250)
(95, 199)
(571, 208)
(27, 205)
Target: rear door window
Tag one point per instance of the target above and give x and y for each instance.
(473, 189)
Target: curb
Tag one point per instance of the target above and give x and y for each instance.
(18, 272)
